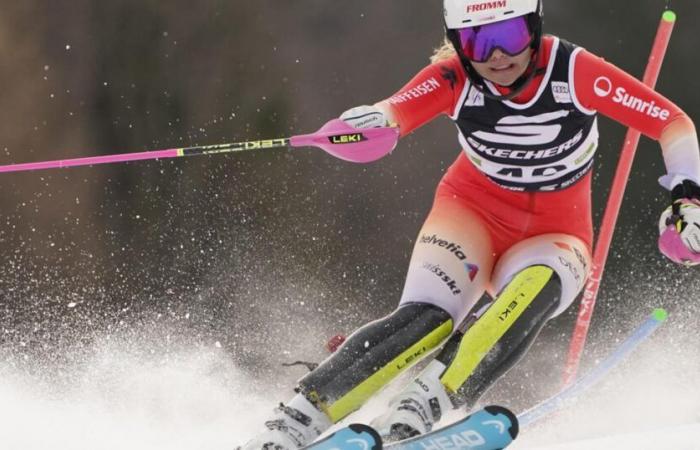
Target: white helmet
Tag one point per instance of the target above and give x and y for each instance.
(472, 13)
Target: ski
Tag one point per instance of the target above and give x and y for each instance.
(491, 428)
(352, 437)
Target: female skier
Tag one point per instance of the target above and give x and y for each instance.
(512, 216)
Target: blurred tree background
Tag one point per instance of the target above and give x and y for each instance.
(262, 254)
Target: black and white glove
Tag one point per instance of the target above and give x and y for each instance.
(679, 225)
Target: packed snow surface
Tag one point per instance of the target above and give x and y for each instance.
(198, 399)
(164, 388)
(673, 438)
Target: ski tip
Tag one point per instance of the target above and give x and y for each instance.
(669, 16)
(360, 428)
(660, 315)
(514, 424)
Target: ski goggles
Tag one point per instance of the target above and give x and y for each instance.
(511, 36)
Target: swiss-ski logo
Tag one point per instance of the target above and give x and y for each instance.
(449, 282)
(455, 249)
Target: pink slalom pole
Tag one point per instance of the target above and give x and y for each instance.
(336, 138)
(612, 210)
(90, 161)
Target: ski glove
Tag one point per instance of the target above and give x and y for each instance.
(365, 117)
(680, 225)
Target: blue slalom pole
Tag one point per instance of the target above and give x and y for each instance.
(556, 402)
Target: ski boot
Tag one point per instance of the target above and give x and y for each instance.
(292, 427)
(417, 408)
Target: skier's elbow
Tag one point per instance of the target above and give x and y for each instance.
(678, 127)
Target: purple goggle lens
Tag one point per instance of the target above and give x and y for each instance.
(511, 36)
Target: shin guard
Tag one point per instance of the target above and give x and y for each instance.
(479, 355)
(373, 356)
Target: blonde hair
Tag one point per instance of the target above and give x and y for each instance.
(444, 52)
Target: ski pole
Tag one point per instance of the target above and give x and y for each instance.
(612, 210)
(554, 403)
(336, 137)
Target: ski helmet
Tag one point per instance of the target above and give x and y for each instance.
(467, 26)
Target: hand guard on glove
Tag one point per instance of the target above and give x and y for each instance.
(365, 117)
(680, 225)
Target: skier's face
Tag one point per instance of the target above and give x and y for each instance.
(503, 69)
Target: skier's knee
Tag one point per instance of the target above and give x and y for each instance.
(568, 256)
(500, 334)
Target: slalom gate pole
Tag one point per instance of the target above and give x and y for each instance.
(612, 210)
(551, 405)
